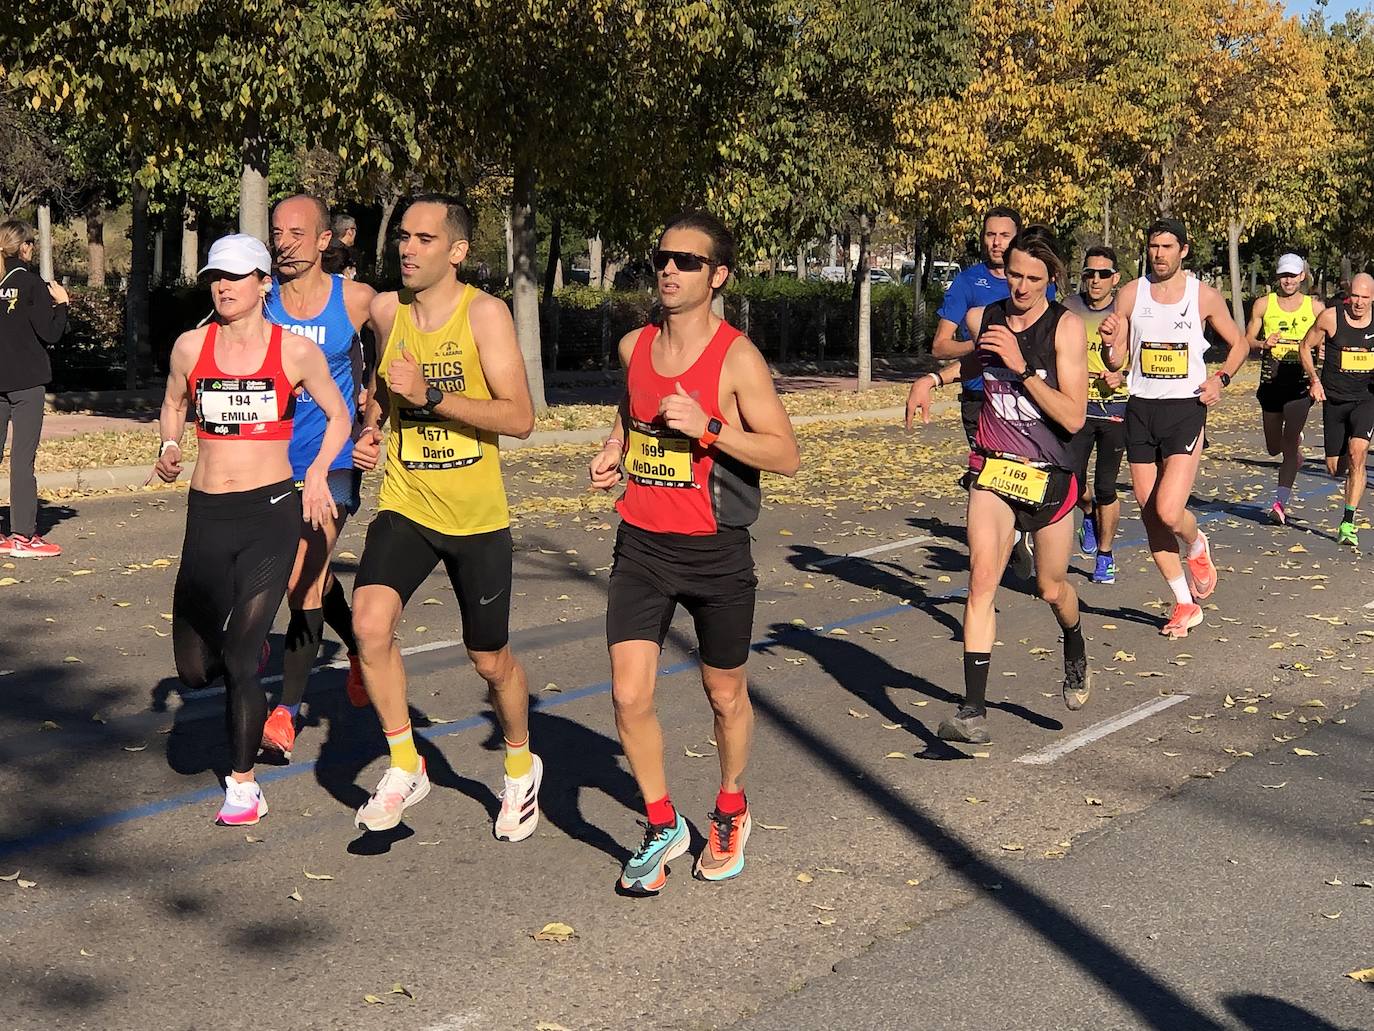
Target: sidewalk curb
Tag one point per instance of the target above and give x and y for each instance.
(122, 476)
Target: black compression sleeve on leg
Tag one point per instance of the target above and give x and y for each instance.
(1074, 646)
(339, 616)
(976, 679)
(303, 635)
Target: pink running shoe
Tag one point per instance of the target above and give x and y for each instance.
(243, 804)
(33, 547)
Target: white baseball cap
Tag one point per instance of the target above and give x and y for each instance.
(238, 254)
(1291, 265)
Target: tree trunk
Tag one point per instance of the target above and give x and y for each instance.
(1233, 231)
(834, 249)
(555, 256)
(95, 242)
(157, 256)
(510, 249)
(136, 344)
(1107, 220)
(612, 269)
(388, 210)
(918, 297)
(253, 186)
(848, 256)
(45, 241)
(524, 279)
(865, 320)
(1347, 271)
(801, 263)
(190, 241)
(595, 269)
(1254, 277)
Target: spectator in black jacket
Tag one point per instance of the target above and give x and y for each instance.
(32, 313)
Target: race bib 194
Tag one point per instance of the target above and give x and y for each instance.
(1164, 361)
(1014, 480)
(227, 406)
(659, 459)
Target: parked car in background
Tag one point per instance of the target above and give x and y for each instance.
(941, 273)
(832, 273)
(880, 275)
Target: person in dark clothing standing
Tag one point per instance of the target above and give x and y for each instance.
(32, 313)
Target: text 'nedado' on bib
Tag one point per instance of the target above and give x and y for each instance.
(227, 405)
(658, 458)
(437, 445)
(1017, 481)
(1164, 361)
(1355, 360)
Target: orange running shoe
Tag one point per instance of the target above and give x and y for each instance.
(357, 693)
(723, 856)
(1184, 618)
(1202, 574)
(279, 732)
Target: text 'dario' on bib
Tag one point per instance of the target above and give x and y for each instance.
(1164, 361)
(1016, 481)
(438, 445)
(659, 460)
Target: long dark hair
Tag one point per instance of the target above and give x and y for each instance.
(1039, 242)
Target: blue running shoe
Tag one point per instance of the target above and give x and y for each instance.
(1087, 538)
(1105, 572)
(647, 870)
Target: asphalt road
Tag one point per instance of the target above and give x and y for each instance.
(1093, 887)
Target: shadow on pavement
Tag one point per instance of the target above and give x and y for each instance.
(1265, 1013)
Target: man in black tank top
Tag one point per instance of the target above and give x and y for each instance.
(1033, 358)
(1343, 385)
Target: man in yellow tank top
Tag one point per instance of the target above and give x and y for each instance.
(1278, 323)
(451, 380)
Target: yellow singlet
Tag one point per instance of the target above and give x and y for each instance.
(439, 473)
(1291, 326)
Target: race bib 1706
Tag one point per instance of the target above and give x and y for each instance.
(1164, 361)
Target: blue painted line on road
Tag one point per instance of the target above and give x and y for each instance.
(108, 821)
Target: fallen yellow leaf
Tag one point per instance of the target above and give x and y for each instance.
(555, 932)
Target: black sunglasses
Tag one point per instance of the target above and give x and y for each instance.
(1098, 273)
(685, 261)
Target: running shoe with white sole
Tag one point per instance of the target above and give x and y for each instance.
(1202, 573)
(1078, 684)
(397, 792)
(646, 871)
(1105, 570)
(519, 815)
(6, 543)
(1183, 619)
(244, 804)
(33, 547)
(723, 856)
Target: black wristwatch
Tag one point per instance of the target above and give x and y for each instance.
(1225, 379)
(1028, 372)
(433, 397)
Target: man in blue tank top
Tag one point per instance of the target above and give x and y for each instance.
(331, 311)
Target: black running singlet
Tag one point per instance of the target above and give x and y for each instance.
(1348, 365)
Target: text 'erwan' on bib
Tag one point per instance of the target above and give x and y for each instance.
(228, 404)
(429, 442)
(1014, 480)
(1164, 361)
(656, 456)
(1355, 359)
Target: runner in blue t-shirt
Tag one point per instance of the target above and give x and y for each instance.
(332, 311)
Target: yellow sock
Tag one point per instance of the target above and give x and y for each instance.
(402, 746)
(519, 762)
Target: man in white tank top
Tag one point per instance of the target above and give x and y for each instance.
(1159, 322)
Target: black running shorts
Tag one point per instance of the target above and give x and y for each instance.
(1108, 438)
(1344, 420)
(970, 408)
(1061, 495)
(1159, 428)
(1289, 384)
(711, 576)
(400, 553)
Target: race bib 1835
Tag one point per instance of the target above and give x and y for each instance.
(1356, 360)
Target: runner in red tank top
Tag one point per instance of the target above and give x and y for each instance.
(699, 422)
(243, 515)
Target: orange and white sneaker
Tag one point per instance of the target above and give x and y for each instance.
(279, 732)
(32, 547)
(5, 544)
(1202, 574)
(357, 693)
(723, 856)
(1184, 618)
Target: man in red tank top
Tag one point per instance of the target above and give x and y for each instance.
(699, 422)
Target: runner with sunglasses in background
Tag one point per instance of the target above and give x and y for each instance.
(699, 421)
(1105, 428)
(1278, 325)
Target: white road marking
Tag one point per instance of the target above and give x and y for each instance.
(1100, 730)
(905, 542)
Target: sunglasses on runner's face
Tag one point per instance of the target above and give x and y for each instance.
(1098, 273)
(685, 261)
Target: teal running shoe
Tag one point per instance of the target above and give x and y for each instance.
(647, 870)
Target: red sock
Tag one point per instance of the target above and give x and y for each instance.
(661, 813)
(730, 803)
